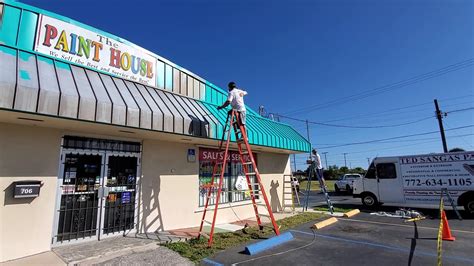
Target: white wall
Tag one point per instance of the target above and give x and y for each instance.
(170, 187)
(27, 153)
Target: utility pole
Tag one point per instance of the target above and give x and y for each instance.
(294, 162)
(326, 158)
(345, 161)
(439, 116)
(368, 161)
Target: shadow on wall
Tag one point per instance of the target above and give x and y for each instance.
(9, 200)
(274, 198)
(149, 206)
(198, 127)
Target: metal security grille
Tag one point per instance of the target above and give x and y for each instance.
(97, 188)
(120, 203)
(78, 212)
(74, 142)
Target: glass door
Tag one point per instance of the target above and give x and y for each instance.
(120, 191)
(78, 203)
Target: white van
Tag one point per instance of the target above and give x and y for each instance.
(417, 180)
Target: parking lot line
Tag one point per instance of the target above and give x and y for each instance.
(378, 245)
(401, 225)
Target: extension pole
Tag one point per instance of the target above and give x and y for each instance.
(308, 183)
(294, 162)
(326, 159)
(439, 116)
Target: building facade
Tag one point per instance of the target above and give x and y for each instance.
(100, 137)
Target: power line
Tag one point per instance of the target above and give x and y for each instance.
(384, 113)
(398, 137)
(459, 110)
(419, 78)
(348, 126)
(397, 141)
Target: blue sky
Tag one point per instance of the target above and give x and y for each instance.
(294, 57)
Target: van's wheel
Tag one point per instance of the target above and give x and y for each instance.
(469, 205)
(336, 188)
(369, 200)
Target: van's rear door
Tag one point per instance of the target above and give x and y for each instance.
(389, 179)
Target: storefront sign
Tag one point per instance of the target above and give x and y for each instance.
(126, 196)
(26, 189)
(78, 45)
(211, 155)
(425, 176)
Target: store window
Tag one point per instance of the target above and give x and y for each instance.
(234, 169)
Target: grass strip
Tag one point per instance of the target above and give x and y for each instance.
(336, 209)
(196, 250)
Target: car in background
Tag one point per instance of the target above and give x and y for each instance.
(344, 183)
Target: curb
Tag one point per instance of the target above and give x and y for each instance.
(351, 213)
(324, 223)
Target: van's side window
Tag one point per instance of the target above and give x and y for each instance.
(386, 171)
(370, 172)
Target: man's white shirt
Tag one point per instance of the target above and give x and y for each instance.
(317, 161)
(236, 99)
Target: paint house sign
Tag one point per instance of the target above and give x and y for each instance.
(62, 40)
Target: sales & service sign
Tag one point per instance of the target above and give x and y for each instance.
(77, 45)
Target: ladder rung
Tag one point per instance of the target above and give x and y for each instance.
(287, 192)
(219, 163)
(206, 221)
(241, 140)
(247, 163)
(245, 152)
(264, 215)
(251, 173)
(287, 182)
(204, 234)
(254, 184)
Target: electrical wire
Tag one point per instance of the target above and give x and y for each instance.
(395, 111)
(396, 141)
(348, 126)
(459, 110)
(368, 93)
(398, 137)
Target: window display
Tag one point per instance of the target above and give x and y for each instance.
(207, 158)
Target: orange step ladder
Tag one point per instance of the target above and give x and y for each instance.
(247, 159)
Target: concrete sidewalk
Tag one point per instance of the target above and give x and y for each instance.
(139, 249)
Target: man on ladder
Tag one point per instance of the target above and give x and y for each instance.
(236, 100)
(316, 169)
(236, 118)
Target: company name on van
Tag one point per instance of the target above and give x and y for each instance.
(437, 158)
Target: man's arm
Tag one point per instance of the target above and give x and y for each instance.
(224, 105)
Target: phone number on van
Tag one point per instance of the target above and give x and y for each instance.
(415, 182)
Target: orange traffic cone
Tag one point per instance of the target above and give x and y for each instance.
(446, 230)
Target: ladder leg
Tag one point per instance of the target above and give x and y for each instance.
(219, 191)
(257, 177)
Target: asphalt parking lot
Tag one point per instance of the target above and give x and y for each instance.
(365, 239)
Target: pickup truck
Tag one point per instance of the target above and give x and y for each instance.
(344, 183)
